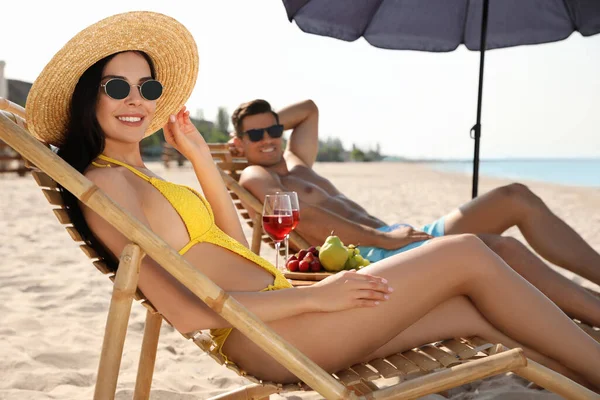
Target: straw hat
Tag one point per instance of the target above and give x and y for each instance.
(166, 41)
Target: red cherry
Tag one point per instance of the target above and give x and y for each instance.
(293, 265)
(315, 265)
(292, 258)
(302, 254)
(309, 257)
(312, 249)
(304, 266)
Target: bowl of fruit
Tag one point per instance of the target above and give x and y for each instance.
(316, 263)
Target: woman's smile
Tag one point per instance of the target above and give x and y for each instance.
(133, 120)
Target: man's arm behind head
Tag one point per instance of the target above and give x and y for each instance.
(303, 118)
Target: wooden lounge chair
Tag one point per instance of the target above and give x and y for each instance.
(10, 160)
(432, 367)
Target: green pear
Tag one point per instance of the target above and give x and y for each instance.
(333, 254)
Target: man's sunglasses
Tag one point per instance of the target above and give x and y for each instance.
(256, 135)
(118, 89)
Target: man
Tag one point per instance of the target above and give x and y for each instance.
(258, 136)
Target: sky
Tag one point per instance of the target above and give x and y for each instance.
(540, 101)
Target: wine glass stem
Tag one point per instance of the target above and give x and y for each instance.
(287, 248)
(277, 244)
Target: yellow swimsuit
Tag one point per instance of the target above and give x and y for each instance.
(199, 221)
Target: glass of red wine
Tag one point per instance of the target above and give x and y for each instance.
(277, 220)
(296, 214)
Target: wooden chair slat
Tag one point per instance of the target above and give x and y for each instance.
(53, 197)
(74, 233)
(384, 368)
(291, 387)
(149, 306)
(239, 206)
(462, 350)
(102, 267)
(218, 147)
(43, 180)
(273, 385)
(250, 378)
(232, 166)
(365, 372)
(62, 216)
(422, 361)
(403, 365)
(348, 377)
(245, 215)
(11, 158)
(221, 157)
(89, 251)
(8, 107)
(476, 341)
(364, 388)
(217, 357)
(441, 356)
(203, 341)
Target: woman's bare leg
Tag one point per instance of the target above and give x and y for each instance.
(572, 298)
(424, 278)
(458, 317)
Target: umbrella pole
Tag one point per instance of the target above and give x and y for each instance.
(476, 129)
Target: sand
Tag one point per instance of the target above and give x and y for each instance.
(53, 302)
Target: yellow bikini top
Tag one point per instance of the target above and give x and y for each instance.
(199, 220)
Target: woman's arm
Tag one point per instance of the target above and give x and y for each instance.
(183, 135)
(342, 291)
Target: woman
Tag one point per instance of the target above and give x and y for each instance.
(97, 99)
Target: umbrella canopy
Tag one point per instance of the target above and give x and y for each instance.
(442, 25)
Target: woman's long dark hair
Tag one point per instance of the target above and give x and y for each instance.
(84, 141)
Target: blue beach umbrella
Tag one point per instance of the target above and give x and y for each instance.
(442, 25)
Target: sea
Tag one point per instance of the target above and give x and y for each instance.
(572, 172)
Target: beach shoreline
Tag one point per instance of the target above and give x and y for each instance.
(53, 302)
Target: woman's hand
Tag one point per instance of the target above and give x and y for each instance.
(403, 236)
(184, 137)
(347, 289)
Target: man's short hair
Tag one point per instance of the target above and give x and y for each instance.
(250, 108)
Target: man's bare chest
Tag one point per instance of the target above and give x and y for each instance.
(310, 187)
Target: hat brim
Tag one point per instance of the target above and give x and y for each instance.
(166, 41)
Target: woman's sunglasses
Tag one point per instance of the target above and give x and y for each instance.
(118, 89)
(256, 135)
